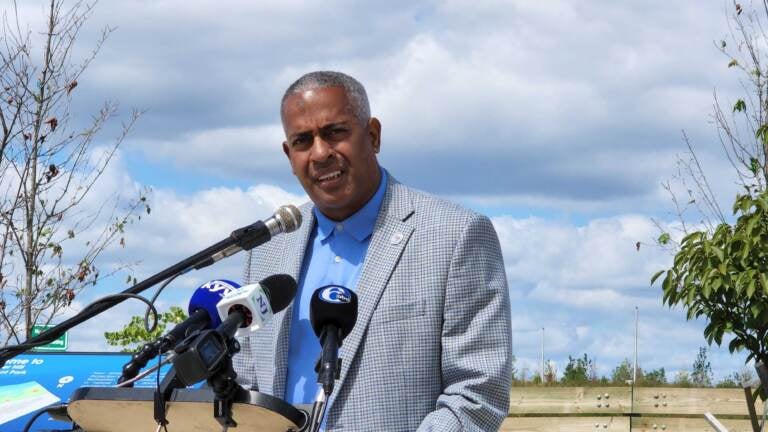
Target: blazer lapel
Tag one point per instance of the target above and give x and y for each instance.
(290, 263)
(390, 235)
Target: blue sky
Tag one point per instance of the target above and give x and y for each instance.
(558, 119)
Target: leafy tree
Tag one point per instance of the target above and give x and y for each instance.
(701, 375)
(724, 277)
(49, 242)
(682, 379)
(729, 382)
(720, 267)
(744, 377)
(623, 373)
(578, 370)
(134, 335)
(536, 378)
(656, 377)
(550, 372)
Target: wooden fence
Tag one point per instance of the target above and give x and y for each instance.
(647, 409)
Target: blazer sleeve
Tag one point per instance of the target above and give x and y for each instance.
(476, 336)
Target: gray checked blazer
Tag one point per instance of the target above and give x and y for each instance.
(431, 349)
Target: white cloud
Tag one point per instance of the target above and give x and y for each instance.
(578, 102)
(581, 283)
(180, 226)
(601, 255)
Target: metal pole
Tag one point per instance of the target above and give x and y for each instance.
(542, 356)
(634, 372)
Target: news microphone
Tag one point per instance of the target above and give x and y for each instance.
(332, 314)
(286, 219)
(257, 302)
(240, 311)
(202, 315)
(206, 297)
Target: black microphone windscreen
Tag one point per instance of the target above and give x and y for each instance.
(333, 304)
(281, 289)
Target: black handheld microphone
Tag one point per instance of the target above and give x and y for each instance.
(332, 313)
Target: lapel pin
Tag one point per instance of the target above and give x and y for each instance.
(396, 238)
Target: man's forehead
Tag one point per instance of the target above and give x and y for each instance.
(316, 104)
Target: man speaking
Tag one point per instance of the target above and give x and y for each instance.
(431, 347)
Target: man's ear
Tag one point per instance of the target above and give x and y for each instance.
(374, 132)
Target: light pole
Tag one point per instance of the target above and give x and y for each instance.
(542, 356)
(634, 371)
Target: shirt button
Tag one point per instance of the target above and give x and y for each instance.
(339, 227)
(337, 259)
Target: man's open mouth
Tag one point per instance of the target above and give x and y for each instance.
(330, 176)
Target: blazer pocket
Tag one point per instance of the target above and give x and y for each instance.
(399, 311)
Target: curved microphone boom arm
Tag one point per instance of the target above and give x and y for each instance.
(286, 219)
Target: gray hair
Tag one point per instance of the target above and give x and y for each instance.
(355, 91)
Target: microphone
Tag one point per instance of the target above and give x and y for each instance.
(286, 219)
(240, 311)
(202, 315)
(332, 313)
(257, 303)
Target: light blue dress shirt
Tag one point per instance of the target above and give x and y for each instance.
(334, 255)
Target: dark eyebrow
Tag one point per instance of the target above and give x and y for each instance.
(324, 127)
(333, 125)
(293, 137)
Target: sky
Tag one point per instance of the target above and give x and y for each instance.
(559, 120)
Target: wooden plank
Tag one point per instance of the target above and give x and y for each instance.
(677, 424)
(565, 424)
(694, 401)
(569, 400)
(617, 424)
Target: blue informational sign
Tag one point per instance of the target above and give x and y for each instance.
(33, 381)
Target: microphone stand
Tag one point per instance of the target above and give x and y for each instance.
(223, 383)
(318, 411)
(244, 238)
(328, 370)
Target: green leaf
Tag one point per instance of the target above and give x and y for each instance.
(754, 165)
(735, 345)
(664, 238)
(760, 133)
(751, 285)
(667, 283)
(739, 106)
(717, 283)
(656, 276)
(692, 237)
(719, 253)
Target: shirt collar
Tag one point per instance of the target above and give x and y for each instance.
(359, 225)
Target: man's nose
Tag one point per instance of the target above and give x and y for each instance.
(321, 149)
